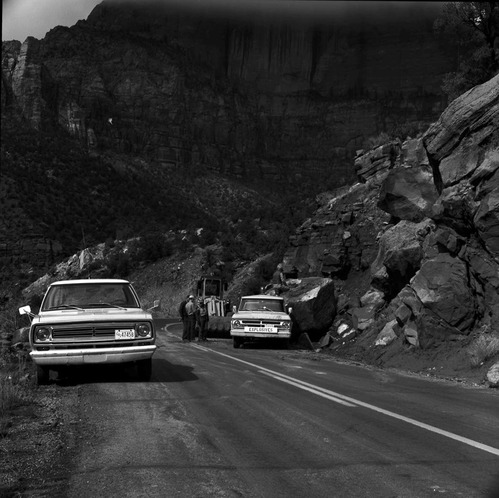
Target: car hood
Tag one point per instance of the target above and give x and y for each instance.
(260, 315)
(92, 315)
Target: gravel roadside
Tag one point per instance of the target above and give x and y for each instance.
(37, 447)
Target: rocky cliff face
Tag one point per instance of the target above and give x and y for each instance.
(412, 247)
(284, 99)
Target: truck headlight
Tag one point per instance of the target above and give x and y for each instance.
(236, 324)
(286, 324)
(143, 330)
(42, 334)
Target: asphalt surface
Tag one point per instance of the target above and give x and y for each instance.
(215, 421)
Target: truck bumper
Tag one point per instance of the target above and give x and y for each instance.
(88, 356)
(278, 335)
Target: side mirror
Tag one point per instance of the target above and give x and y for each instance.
(234, 309)
(154, 306)
(290, 310)
(25, 310)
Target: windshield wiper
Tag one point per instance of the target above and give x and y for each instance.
(106, 304)
(66, 306)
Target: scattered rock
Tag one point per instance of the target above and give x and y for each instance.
(387, 335)
(493, 375)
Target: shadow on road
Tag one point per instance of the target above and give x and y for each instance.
(262, 344)
(166, 371)
(162, 371)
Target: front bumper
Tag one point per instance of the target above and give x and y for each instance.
(270, 335)
(86, 356)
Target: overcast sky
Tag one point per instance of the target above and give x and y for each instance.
(23, 18)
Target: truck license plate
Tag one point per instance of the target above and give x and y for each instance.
(262, 330)
(124, 334)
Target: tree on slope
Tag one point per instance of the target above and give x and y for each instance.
(474, 26)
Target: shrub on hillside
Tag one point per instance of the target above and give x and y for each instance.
(376, 141)
(251, 286)
(486, 346)
(151, 247)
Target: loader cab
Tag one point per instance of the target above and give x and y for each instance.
(211, 291)
(208, 287)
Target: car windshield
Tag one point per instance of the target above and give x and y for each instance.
(90, 295)
(262, 305)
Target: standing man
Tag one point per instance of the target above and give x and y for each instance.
(183, 317)
(279, 281)
(190, 310)
(202, 319)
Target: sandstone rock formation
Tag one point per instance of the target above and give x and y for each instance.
(255, 96)
(420, 262)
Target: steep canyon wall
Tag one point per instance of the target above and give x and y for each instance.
(279, 98)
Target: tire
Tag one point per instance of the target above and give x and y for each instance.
(42, 375)
(237, 342)
(144, 370)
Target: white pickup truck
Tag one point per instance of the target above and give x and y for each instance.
(260, 317)
(88, 322)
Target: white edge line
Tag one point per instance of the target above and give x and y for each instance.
(422, 425)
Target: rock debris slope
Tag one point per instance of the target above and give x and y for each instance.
(413, 247)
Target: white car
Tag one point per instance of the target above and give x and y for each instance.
(88, 322)
(260, 317)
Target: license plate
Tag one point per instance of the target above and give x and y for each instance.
(262, 330)
(124, 334)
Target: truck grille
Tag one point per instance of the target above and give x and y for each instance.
(259, 323)
(87, 332)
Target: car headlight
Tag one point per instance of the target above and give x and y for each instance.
(235, 324)
(42, 334)
(286, 324)
(143, 329)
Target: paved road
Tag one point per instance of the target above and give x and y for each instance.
(254, 422)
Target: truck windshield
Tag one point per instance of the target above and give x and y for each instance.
(91, 295)
(262, 305)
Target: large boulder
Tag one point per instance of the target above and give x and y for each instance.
(413, 152)
(408, 193)
(442, 285)
(399, 255)
(314, 305)
(456, 207)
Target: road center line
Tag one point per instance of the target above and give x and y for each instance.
(305, 388)
(316, 389)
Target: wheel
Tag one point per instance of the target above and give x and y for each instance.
(42, 375)
(144, 369)
(237, 342)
